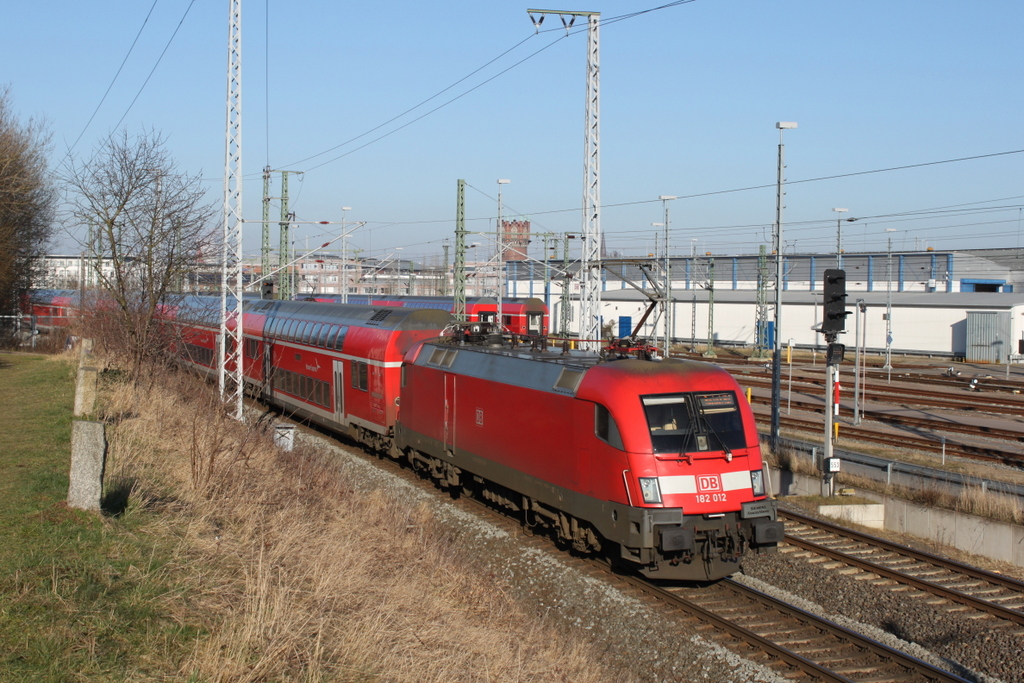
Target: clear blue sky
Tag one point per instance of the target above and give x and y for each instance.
(689, 100)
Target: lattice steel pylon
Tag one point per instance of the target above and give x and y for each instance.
(590, 257)
(590, 266)
(229, 368)
(460, 252)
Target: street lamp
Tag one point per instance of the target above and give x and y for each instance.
(888, 307)
(344, 256)
(501, 253)
(665, 199)
(839, 237)
(783, 126)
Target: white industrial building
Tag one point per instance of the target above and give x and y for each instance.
(965, 304)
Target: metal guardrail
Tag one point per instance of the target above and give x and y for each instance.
(906, 474)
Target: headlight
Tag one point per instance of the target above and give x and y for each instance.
(757, 482)
(650, 489)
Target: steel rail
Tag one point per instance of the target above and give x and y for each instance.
(805, 665)
(951, 594)
(842, 635)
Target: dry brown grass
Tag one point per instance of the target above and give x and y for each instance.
(295, 575)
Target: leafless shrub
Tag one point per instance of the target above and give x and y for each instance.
(150, 222)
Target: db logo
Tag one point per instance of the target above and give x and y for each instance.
(709, 482)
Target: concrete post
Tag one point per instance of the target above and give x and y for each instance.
(88, 457)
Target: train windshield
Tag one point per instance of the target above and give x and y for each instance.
(685, 423)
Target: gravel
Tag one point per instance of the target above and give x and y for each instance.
(983, 649)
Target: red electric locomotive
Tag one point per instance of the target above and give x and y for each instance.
(656, 463)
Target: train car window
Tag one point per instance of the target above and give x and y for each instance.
(670, 423)
(252, 348)
(506, 320)
(314, 333)
(722, 418)
(324, 335)
(568, 380)
(288, 332)
(339, 341)
(359, 375)
(534, 322)
(605, 427)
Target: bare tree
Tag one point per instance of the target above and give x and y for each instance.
(150, 221)
(27, 201)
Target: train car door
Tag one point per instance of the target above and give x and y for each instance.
(339, 391)
(449, 413)
(268, 369)
(534, 324)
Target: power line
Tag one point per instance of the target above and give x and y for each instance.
(112, 81)
(158, 60)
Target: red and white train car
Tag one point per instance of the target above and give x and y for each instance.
(336, 365)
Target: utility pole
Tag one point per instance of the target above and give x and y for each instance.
(285, 290)
(444, 270)
(460, 252)
(230, 378)
(777, 239)
(590, 258)
(265, 264)
(563, 323)
(665, 199)
(709, 352)
(501, 257)
(344, 255)
(761, 324)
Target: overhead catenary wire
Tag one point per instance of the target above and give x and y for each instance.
(111, 85)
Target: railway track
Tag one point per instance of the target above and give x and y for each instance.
(959, 584)
(795, 643)
(904, 440)
(973, 402)
(922, 423)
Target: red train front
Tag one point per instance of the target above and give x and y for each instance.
(654, 463)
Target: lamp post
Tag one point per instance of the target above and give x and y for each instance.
(839, 237)
(888, 307)
(344, 256)
(783, 126)
(858, 314)
(501, 253)
(665, 199)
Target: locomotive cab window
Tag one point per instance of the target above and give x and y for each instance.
(682, 423)
(605, 427)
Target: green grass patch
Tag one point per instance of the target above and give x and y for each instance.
(83, 597)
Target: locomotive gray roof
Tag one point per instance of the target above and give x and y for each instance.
(557, 372)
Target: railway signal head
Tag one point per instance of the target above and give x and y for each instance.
(834, 319)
